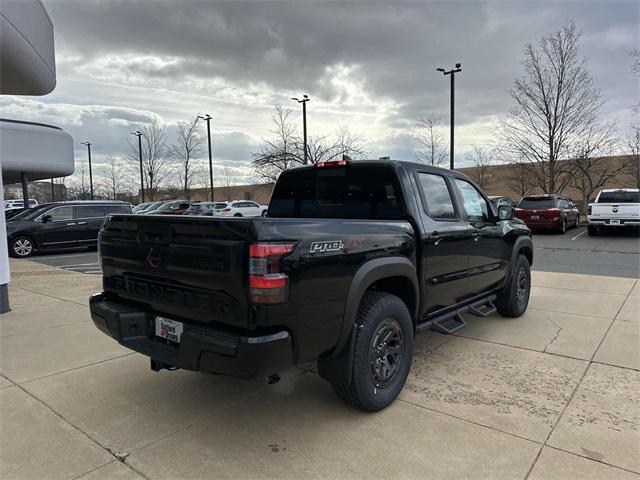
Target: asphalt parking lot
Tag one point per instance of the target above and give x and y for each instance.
(554, 394)
(615, 254)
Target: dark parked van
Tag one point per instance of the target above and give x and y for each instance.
(58, 225)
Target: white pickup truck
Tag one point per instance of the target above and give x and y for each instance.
(614, 208)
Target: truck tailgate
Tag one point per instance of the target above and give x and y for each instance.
(615, 210)
(185, 267)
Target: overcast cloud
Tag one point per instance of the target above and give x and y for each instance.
(369, 66)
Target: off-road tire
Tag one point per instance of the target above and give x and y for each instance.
(378, 311)
(512, 301)
(21, 247)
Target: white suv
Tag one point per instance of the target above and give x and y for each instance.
(241, 208)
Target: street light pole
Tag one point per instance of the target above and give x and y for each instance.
(139, 134)
(88, 144)
(451, 72)
(305, 99)
(207, 118)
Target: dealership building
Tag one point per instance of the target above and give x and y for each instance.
(29, 150)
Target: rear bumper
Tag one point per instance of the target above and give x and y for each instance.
(201, 348)
(606, 222)
(543, 224)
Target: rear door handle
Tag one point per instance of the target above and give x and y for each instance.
(82, 223)
(70, 224)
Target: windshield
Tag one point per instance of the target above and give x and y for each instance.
(619, 197)
(364, 191)
(536, 203)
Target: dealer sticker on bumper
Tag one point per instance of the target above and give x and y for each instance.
(169, 329)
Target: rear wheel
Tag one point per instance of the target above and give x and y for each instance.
(21, 247)
(382, 352)
(563, 226)
(514, 298)
(577, 224)
(238, 215)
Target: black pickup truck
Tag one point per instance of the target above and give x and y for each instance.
(352, 260)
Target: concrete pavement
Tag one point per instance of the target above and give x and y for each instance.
(553, 394)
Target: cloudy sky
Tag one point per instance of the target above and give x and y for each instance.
(366, 65)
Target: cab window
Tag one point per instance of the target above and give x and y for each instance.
(437, 196)
(474, 204)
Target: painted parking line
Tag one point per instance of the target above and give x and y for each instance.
(579, 235)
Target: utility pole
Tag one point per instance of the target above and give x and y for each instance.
(305, 99)
(139, 134)
(207, 118)
(53, 191)
(88, 144)
(451, 72)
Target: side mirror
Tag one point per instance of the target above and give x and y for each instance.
(505, 212)
(47, 219)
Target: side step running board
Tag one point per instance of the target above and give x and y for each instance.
(453, 321)
(449, 325)
(483, 310)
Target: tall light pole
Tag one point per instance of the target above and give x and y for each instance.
(207, 118)
(88, 144)
(451, 72)
(139, 134)
(305, 99)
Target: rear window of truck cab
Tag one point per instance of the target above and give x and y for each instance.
(350, 191)
(619, 197)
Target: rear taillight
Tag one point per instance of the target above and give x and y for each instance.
(267, 284)
(588, 209)
(226, 209)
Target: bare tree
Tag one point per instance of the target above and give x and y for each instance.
(631, 166)
(279, 152)
(519, 177)
(187, 147)
(482, 158)
(588, 170)
(114, 175)
(555, 104)
(226, 182)
(285, 149)
(349, 145)
(79, 187)
(156, 159)
(432, 148)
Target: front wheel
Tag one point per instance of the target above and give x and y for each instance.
(21, 247)
(514, 298)
(382, 353)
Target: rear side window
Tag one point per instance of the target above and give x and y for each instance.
(619, 197)
(536, 203)
(117, 209)
(437, 196)
(89, 211)
(338, 192)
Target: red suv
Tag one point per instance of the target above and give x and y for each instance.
(548, 212)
